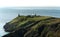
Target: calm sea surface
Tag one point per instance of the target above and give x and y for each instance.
(7, 14)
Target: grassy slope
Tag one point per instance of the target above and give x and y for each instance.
(36, 26)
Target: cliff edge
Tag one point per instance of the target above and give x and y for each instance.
(33, 26)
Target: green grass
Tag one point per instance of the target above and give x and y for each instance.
(49, 24)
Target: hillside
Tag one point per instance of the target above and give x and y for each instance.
(33, 26)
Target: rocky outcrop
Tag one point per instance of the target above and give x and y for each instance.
(36, 26)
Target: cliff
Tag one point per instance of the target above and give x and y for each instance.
(33, 26)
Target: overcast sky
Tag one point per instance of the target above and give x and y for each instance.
(29, 3)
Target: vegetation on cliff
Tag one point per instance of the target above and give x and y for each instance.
(33, 26)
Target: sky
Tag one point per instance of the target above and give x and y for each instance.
(29, 3)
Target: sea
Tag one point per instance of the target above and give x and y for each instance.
(9, 13)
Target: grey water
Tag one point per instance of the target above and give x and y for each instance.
(7, 14)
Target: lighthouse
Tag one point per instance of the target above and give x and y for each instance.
(33, 14)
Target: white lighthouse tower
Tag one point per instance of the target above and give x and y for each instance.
(33, 14)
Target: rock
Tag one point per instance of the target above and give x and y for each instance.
(33, 27)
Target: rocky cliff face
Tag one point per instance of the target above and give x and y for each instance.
(33, 26)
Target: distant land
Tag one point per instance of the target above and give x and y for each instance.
(33, 26)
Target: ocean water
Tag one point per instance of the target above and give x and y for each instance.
(7, 14)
